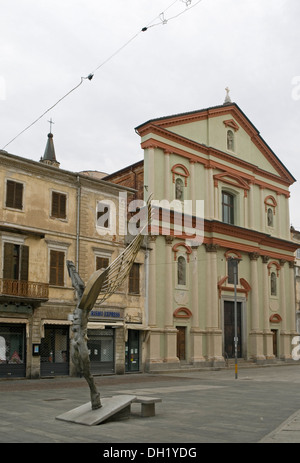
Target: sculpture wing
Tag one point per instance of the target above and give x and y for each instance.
(109, 280)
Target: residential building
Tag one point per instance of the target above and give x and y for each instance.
(48, 216)
(215, 157)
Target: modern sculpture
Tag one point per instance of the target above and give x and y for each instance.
(104, 283)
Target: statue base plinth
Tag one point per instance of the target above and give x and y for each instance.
(116, 407)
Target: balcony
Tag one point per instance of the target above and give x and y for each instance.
(23, 290)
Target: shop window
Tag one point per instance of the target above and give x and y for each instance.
(228, 208)
(14, 194)
(57, 265)
(134, 279)
(58, 207)
(12, 351)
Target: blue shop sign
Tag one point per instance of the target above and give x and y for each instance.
(105, 314)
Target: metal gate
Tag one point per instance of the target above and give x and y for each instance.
(101, 351)
(55, 351)
(12, 351)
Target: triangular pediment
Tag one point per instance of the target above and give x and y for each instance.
(209, 127)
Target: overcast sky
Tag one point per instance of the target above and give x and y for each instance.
(46, 46)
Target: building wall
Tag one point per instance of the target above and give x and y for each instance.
(79, 237)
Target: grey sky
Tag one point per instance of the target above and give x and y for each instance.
(46, 47)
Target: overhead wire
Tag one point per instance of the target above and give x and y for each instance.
(91, 74)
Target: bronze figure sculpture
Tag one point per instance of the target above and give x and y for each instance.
(104, 282)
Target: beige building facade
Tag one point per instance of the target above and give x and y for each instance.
(48, 216)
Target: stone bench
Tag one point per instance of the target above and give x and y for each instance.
(147, 405)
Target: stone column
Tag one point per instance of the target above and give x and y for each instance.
(251, 206)
(196, 332)
(256, 334)
(167, 175)
(213, 331)
(192, 185)
(285, 346)
(170, 331)
(268, 335)
(154, 337)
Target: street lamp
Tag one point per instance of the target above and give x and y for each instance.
(235, 263)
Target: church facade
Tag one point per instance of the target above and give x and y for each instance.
(215, 162)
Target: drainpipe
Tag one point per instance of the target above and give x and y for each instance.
(78, 223)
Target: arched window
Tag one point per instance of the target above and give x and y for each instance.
(273, 284)
(181, 271)
(179, 189)
(230, 140)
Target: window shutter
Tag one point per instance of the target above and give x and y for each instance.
(102, 262)
(14, 194)
(54, 211)
(24, 263)
(57, 259)
(62, 207)
(8, 270)
(18, 195)
(134, 279)
(59, 201)
(60, 270)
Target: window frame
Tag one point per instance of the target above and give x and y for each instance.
(13, 203)
(228, 207)
(59, 279)
(61, 210)
(134, 277)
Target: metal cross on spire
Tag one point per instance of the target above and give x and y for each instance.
(51, 123)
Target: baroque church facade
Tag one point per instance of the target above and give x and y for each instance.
(215, 157)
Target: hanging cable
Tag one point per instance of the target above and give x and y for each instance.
(163, 21)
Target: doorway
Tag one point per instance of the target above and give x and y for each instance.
(275, 343)
(132, 351)
(181, 341)
(229, 329)
(55, 351)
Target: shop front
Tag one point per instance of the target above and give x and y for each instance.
(106, 341)
(12, 350)
(54, 351)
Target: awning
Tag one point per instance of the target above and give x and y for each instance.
(53, 322)
(103, 325)
(136, 326)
